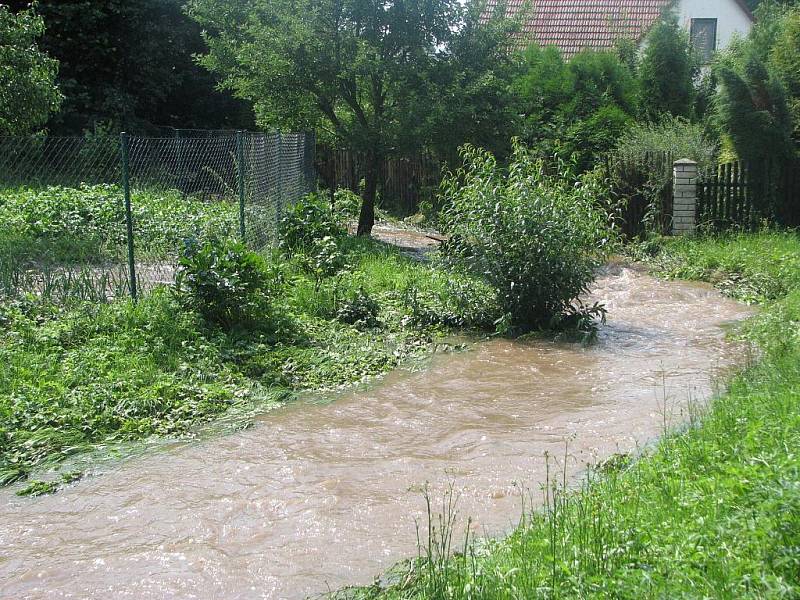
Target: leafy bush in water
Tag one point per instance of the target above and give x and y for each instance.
(89, 221)
(308, 221)
(224, 282)
(537, 239)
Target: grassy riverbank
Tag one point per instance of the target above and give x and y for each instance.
(91, 374)
(713, 512)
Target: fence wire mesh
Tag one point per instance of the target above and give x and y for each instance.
(63, 226)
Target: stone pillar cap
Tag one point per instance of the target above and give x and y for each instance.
(685, 161)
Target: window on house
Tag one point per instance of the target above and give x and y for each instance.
(704, 38)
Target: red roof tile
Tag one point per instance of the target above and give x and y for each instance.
(574, 25)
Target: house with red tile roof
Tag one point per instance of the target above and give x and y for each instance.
(574, 25)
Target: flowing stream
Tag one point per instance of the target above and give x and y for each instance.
(320, 495)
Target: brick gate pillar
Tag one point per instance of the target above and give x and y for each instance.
(684, 196)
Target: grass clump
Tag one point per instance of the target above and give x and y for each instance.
(712, 512)
(753, 268)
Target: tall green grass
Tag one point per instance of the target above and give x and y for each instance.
(712, 512)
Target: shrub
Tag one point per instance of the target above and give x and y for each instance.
(308, 221)
(359, 308)
(674, 135)
(346, 203)
(323, 259)
(536, 239)
(224, 282)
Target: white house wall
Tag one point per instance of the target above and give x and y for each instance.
(731, 18)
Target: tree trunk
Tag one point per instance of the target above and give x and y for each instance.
(367, 217)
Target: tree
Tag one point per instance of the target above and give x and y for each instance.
(667, 71)
(370, 76)
(130, 65)
(784, 60)
(543, 87)
(28, 93)
(576, 109)
(752, 111)
(471, 99)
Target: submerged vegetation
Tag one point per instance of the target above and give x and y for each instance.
(713, 511)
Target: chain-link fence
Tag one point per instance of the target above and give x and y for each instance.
(100, 217)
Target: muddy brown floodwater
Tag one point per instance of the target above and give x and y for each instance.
(317, 496)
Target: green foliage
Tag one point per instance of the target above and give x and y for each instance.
(346, 203)
(70, 379)
(359, 309)
(455, 300)
(306, 223)
(543, 87)
(753, 268)
(470, 89)
(784, 60)
(153, 43)
(60, 224)
(600, 79)
(575, 110)
(753, 107)
(28, 93)
(752, 111)
(667, 71)
(675, 135)
(536, 239)
(377, 78)
(323, 259)
(589, 140)
(225, 283)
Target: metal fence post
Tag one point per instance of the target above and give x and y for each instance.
(240, 175)
(279, 205)
(126, 187)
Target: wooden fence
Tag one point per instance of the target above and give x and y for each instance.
(404, 182)
(740, 196)
(644, 185)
